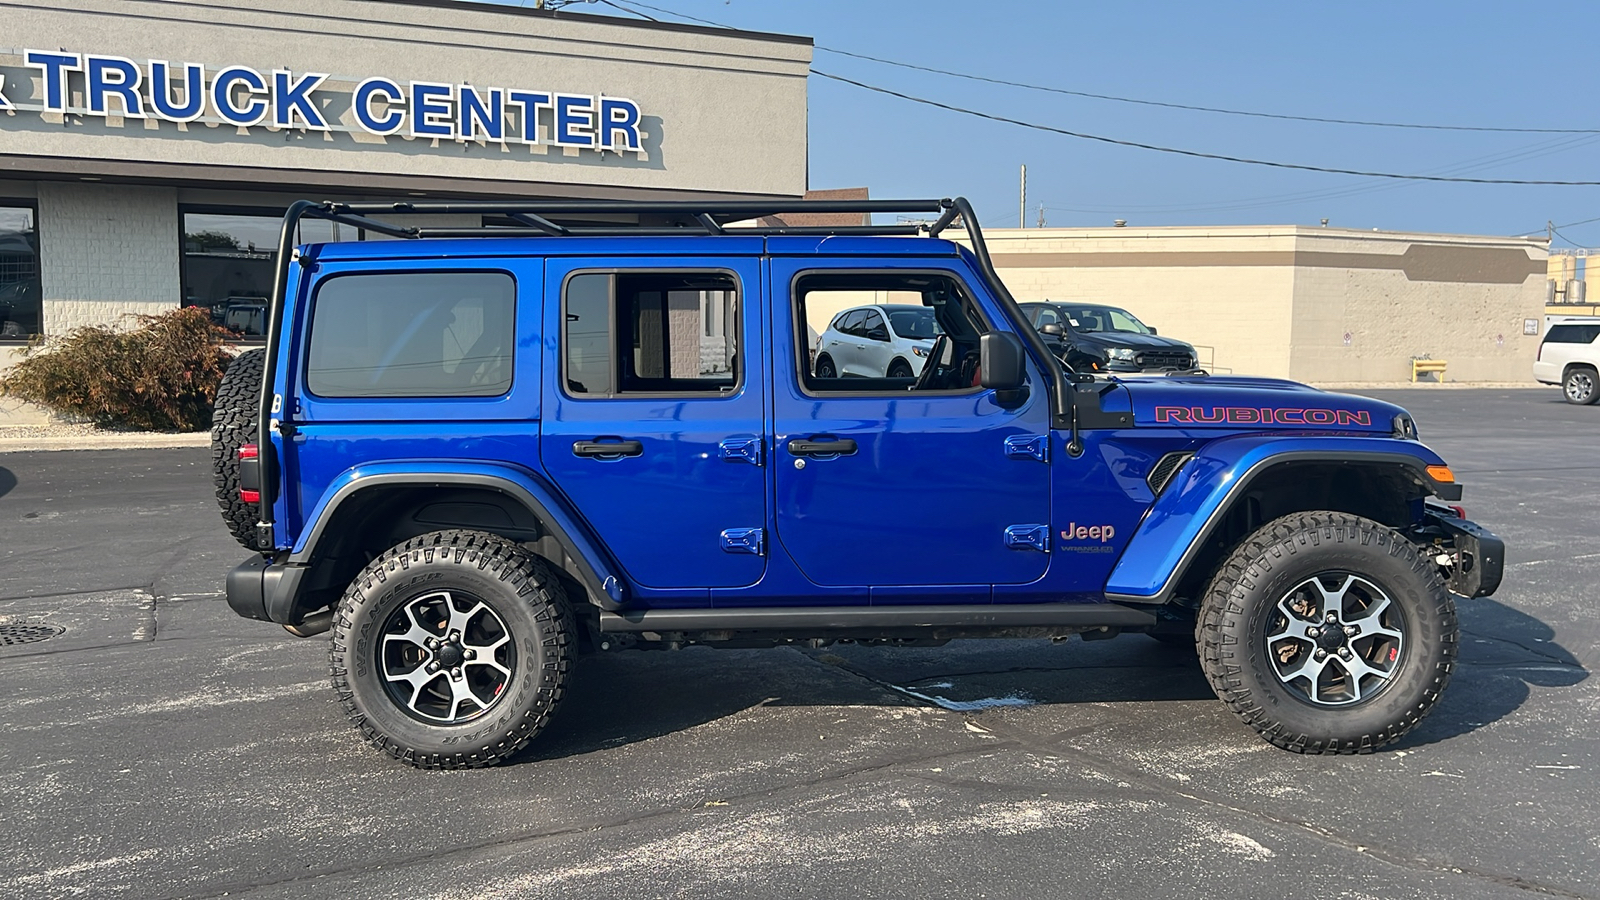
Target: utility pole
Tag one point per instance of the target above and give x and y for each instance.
(1022, 199)
(1041, 215)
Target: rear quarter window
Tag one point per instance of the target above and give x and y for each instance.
(416, 334)
(1572, 334)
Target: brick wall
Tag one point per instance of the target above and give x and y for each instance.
(107, 250)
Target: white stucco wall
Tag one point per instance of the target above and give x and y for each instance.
(106, 250)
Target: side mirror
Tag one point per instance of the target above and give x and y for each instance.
(879, 334)
(1152, 330)
(1052, 330)
(1002, 361)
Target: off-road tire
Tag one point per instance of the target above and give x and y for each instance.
(520, 588)
(233, 423)
(826, 368)
(899, 369)
(1246, 590)
(1580, 386)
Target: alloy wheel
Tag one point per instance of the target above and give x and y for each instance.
(1336, 639)
(446, 657)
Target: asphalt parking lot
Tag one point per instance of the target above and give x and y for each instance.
(162, 748)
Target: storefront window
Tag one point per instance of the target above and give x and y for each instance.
(20, 304)
(230, 258)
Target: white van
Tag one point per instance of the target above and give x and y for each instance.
(1569, 356)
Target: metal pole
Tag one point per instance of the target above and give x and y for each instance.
(1022, 199)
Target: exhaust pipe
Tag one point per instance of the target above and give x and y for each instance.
(312, 625)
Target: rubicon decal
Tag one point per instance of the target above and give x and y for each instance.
(1250, 415)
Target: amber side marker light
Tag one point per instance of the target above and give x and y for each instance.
(1442, 474)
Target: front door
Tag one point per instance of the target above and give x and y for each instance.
(654, 413)
(905, 481)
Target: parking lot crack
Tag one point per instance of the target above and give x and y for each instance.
(533, 836)
(1057, 746)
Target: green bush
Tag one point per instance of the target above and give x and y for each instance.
(159, 376)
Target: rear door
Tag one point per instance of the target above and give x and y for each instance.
(654, 413)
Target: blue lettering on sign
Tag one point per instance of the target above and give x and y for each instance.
(244, 97)
(222, 95)
(476, 112)
(574, 121)
(530, 103)
(55, 67)
(292, 97)
(394, 118)
(194, 92)
(619, 116)
(431, 112)
(112, 75)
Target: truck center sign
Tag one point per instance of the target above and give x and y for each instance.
(115, 86)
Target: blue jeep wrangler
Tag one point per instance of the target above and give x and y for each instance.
(581, 427)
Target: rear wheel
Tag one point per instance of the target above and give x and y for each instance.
(1328, 633)
(233, 424)
(1579, 386)
(451, 650)
(899, 369)
(825, 367)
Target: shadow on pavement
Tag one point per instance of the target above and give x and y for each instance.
(619, 699)
(615, 700)
(1503, 652)
(8, 480)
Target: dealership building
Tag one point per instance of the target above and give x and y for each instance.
(148, 148)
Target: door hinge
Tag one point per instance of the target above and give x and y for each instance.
(1028, 537)
(748, 450)
(745, 540)
(1028, 446)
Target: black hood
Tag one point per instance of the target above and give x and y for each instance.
(1105, 340)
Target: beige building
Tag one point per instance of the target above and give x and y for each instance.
(148, 148)
(1312, 304)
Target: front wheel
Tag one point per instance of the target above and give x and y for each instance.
(1328, 633)
(451, 650)
(1579, 386)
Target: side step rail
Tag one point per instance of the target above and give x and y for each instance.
(831, 620)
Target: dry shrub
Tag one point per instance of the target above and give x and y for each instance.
(159, 376)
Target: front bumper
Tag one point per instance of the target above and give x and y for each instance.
(1472, 558)
(259, 588)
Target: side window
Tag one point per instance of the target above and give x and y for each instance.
(872, 326)
(650, 333)
(934, 310)
(419, 334)
(1572, 334)
(1046, 316)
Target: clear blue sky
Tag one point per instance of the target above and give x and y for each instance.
(1462, 63)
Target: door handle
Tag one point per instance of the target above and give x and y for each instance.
(840, 447)
(607, 449)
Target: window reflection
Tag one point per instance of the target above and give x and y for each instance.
(20, 294)
(230, 259)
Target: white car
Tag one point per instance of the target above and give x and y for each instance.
(1569, 356)
(881, 341)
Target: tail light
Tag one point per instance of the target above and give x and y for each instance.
(249, 473)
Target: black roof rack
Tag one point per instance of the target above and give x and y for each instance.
(586, 218)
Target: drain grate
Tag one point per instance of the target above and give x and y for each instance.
(27, 632)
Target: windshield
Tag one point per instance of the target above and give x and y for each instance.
(1104, 318)
(915, 324)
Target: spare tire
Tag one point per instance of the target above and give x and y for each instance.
(233, 424)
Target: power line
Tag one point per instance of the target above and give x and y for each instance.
(1133, 100)
(1206, 109)
(1197, 154)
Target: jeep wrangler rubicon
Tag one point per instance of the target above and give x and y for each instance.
(581, 427)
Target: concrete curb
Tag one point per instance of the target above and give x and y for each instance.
(113, 441)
